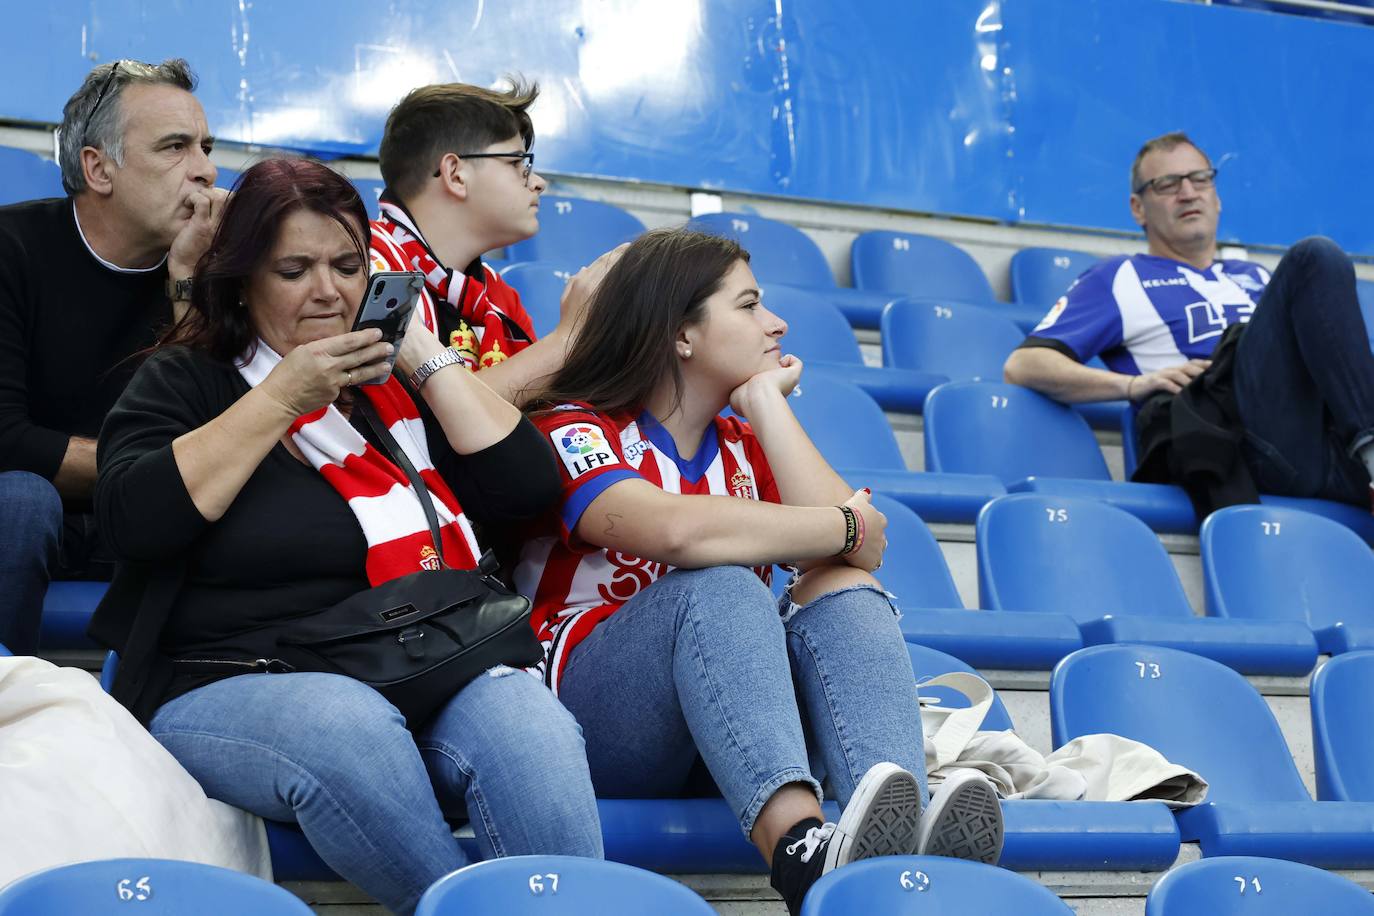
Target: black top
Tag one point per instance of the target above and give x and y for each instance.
(68, 325)
(288, 544)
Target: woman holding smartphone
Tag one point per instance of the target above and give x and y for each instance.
(239, 486)
(650, 580)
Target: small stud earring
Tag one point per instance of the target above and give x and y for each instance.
(686, 354)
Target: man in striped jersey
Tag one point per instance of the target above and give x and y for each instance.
(1301, 384)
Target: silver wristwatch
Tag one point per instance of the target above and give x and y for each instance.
(447, 357)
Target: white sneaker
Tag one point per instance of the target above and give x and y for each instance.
(881, 819)
(964, 820)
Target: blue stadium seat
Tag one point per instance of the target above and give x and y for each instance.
(1342, 740)
(927, 268)
(1356, 518)
(554, 885)
(1206, 717)
(1039, 276)
(1068, 835)
(67, 611)
(783, 254)
(701, 835)
(933, 615)
(540, 285)
(778, 252)
(370, 190)
(574, 232)
(959, 341)
(818, 333)
(1036, 445)
(929, 663)
(152, 887)
(1254, 886)
(930, 886)
(1032, 443)
(964, 342)
(1111, 574)
(855, 438)
(1267, 563)
(27, 176)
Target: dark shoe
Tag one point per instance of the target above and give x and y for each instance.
(963, 820)
(881, 819)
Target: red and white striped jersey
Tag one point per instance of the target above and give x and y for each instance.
(573, 585)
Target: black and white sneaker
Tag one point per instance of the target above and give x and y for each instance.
(881, 819)
(963, 820)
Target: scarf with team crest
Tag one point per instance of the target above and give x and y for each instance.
(376, 490)
(483, 320)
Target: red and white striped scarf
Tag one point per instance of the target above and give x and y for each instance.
(487, 332)
(376, 490)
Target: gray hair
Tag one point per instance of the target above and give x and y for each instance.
(93, 116)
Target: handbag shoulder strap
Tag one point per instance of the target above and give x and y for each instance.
(960, 725)
(399, 456)
(487, 563)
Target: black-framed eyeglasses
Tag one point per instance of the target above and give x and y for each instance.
(100, 97)
(1166, 185)
(526, 157)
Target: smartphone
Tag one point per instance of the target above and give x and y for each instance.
(389, 299)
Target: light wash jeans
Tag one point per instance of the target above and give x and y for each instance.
(702, 662)
(331, 754)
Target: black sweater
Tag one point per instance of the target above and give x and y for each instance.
(287, 545)
(68, 325)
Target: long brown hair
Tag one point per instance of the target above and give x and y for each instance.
(624, 347)
(263, 197)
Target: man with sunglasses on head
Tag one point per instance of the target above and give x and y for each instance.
(86, 282)
(1244, 381)
(458, 165)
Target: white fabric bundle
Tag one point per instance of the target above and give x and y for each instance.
(81, 779)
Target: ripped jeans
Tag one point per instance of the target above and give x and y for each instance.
(701, 661)
(329, 753)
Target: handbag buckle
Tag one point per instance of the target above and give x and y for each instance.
(410, 638)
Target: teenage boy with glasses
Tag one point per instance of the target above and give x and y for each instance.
(458, 165)
(1289, 402)
(86, 281)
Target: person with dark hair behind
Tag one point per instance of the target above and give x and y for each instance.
(240, 487)
(86, 281)
(651, 580)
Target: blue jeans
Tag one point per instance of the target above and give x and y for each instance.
(702, 662)
(332, 755)
(1304, 379)
(30, 530)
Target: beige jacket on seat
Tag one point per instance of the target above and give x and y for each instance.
(1088, 768)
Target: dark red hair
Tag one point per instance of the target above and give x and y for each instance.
(263, 197)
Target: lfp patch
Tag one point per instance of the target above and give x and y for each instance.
(582, 448)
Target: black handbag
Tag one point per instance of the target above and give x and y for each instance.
(420, 638)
